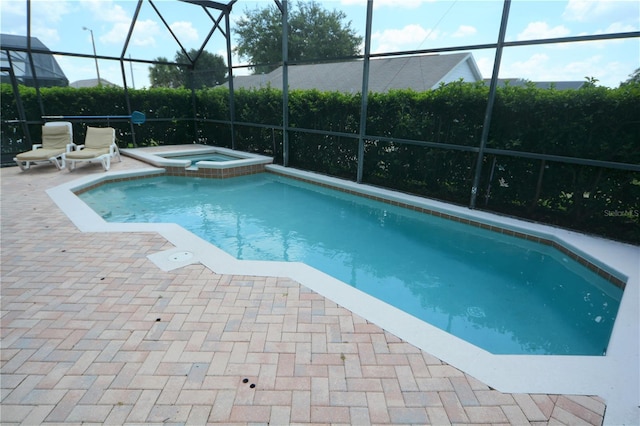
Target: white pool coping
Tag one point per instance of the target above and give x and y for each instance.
(614, 377)
(155, 157)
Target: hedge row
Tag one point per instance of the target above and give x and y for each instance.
(593, 123)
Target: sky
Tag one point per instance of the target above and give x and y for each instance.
(398, 25)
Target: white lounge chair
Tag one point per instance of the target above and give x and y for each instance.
(57, 139)
(99, 145)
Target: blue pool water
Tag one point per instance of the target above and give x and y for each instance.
(504, 294)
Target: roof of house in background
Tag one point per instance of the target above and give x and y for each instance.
(20, 42)
(91, 82)
(47, 69)
(420, 73)
(520, 82)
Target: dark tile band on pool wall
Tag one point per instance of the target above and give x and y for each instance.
(181, 171)
(254, 169)
(566, 251)
(204, 172)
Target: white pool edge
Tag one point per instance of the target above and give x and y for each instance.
(614, 377)
(156, 158)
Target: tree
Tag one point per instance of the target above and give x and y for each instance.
(209, 70)
(314, 34)
(162, 75)
(634, 78)
(590, 82)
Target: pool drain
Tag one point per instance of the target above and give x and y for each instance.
(181, 256)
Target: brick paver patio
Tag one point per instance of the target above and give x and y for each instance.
(93, 332)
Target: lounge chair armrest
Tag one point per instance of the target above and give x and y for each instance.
(79, 147)
(36, 146)
(71, 147)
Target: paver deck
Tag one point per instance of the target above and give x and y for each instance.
(93, 332)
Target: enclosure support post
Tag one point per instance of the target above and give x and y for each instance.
(490, 102)
(124, 76)
(36, 81)
(232, 102)
(16, 95)
(365, 91)
(285, 84)
(128, 101)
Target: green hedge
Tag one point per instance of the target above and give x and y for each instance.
(593, 123)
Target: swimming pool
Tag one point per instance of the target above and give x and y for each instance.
(499, 292)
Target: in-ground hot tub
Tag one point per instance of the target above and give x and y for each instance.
(200, 160)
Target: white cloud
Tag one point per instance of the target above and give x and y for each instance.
(49, 36)
(464, 31)
(404, 4)
(407, 38)
(535, 68)
(578, 10)
(609, 73)
(184, 31)
(45, 16)
(144, 33)
(601, 11)
(485, 65)
(117, 34)
(619, 27)
(540, 67)
(616, 27)
(106, 11)
(49, 11)
(541, 30)
(585, 66)
(16, 8)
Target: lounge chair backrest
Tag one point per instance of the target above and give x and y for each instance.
(55, 137)
(61, 123)
(99, 137)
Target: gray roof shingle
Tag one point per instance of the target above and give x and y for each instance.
(420, 73)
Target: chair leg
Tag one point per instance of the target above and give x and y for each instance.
(24, 165)
(57, 163)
